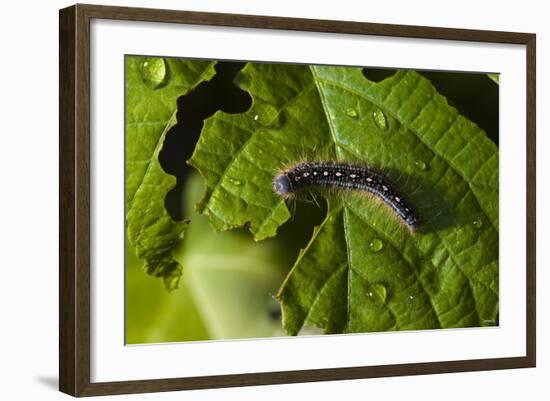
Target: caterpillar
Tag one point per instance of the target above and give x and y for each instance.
(346, 176)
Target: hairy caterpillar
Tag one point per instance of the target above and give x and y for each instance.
(346, 176)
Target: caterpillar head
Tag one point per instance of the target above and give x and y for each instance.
(282, 185)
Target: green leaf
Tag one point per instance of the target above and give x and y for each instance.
(445, 275)
(152, 88)
(495, 77)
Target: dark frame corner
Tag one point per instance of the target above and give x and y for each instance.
(74, 199)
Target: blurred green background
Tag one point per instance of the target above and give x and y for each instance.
(229, 281)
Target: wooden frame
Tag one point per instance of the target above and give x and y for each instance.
(74, 295)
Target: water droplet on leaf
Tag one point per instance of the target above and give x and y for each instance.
(380, 291)
(376, 244)
(234, 181)
(477, 223)
(351, 113)
(421, 165)
(380, 119)
(153, 72)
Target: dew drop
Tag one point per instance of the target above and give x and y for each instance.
(351, 113)
(411, 297)
(256, 117)
(380, 119)
(421, 165)
(376, 245)
(380, 291)
(477, 223)
(234, 181)
(153, 72)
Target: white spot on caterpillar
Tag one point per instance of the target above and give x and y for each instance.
(325, 173)
(385, 188)
(352, 176)
(397, 199)
(369, 179)
(306, 175)
(338, 174)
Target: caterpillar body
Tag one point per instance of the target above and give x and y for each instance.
(346, 176)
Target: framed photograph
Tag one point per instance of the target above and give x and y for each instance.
(250, 200)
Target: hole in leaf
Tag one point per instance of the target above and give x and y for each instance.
(378, 74)
(462, 91)
(220, 93)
